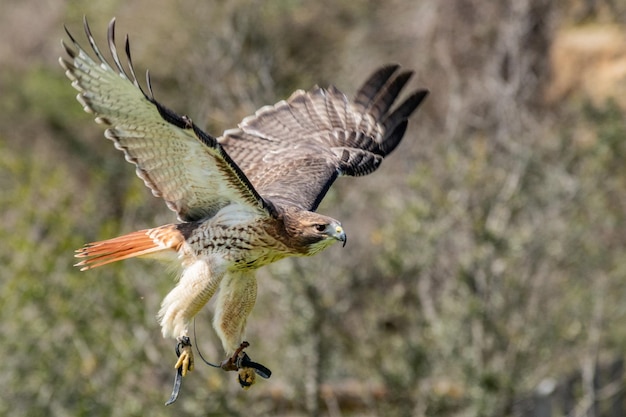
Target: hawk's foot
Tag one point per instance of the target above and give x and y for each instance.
(183, 365)
(246, 377)
(247, 370)
(185, 355)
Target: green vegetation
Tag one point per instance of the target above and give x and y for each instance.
(486, 255)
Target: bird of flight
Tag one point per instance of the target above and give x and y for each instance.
(244, 199)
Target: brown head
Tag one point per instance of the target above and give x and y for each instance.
(308, 232)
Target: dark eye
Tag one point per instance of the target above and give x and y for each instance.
(320, 227)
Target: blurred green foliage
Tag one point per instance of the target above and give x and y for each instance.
(486, 255)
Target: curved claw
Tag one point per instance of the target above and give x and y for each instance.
(183, 365)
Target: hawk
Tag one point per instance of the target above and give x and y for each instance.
(244, 199)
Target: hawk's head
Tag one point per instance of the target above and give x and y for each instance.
(311, 232)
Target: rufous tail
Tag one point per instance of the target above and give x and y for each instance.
(140, 243)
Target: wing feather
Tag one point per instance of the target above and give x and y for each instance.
(380, 105)
(189, 169)
(295, 149)
(372, 86)
(404, 110)
(333, 109)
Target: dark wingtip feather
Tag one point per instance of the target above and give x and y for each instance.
(393, 139)
(113, 47)
(372, 86)
(69, 51)
(404, 110)
(380, 105)
(87, 30)
(69, 34)
(131, 68)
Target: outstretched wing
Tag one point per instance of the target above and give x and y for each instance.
(293, 151)
(177, 161)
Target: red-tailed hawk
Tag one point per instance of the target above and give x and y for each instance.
(244, 199)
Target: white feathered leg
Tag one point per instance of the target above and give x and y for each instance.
(196, 286)
(234, 303)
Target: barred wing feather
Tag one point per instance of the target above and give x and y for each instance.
(186, 167)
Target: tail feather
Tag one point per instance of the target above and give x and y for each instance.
(140, 243)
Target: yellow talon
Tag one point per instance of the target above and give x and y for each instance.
(247, 377)
(185, 360)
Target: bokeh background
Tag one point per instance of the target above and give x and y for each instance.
(486, 257)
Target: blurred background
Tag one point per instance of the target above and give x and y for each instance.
(485, 273)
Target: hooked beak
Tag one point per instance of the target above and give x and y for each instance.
(340, 235)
